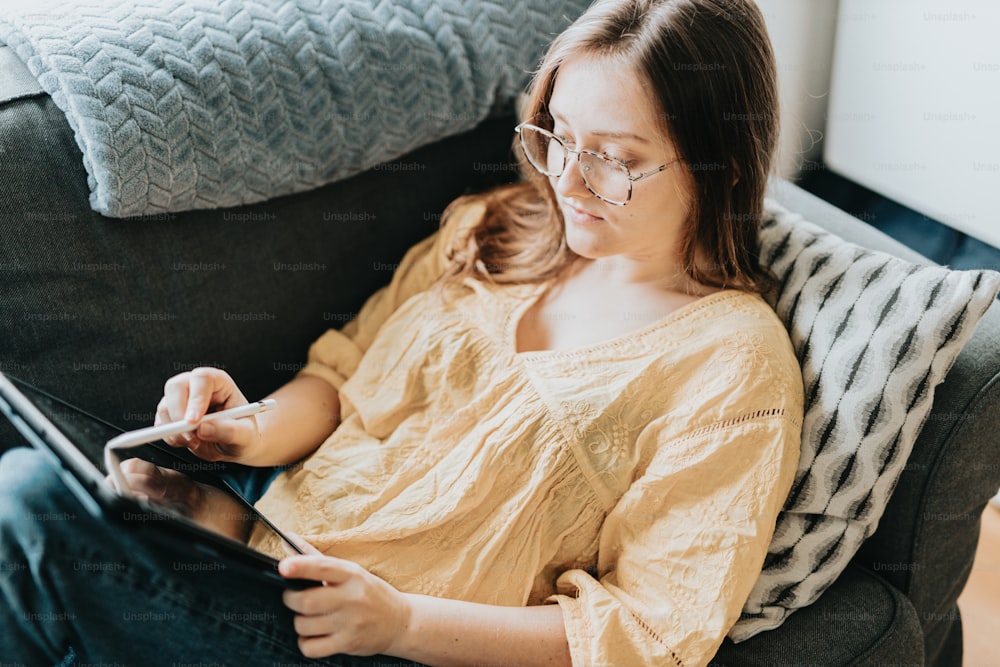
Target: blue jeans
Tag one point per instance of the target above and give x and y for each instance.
(77, 589)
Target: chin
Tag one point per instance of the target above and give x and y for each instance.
(586, 247)
(585, 234)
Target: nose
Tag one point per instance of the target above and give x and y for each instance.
(571, 183)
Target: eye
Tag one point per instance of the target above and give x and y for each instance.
(562, 137)
(620, 154)
(623, 159)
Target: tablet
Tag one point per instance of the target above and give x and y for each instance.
(74, 440)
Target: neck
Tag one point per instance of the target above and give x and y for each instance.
(618, 270)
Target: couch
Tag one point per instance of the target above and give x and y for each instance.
(102, 311)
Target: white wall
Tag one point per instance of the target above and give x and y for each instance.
(802, 32)
(915, 107)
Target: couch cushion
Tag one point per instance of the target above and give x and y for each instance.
(874, 334)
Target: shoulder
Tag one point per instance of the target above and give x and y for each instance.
(731, 325)
(725, 315)
(744, 321)
(743, 351)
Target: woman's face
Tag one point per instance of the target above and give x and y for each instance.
(599, 105)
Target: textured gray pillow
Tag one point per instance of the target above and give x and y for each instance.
(874, 335)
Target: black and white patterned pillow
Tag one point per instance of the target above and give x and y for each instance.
(874, 335)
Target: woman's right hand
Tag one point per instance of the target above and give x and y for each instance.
(190, 396)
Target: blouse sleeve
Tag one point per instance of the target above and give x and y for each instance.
(683, 547)
(335, 355)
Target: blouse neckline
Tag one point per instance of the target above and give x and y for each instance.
(516, 313)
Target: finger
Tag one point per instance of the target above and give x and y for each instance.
(162, 414)
(146, 476)
(175, 396)
(316, 625)
(137, 466)
(213, 451)
(163, 417)
(227, 432)
(207, 386)
(320, 647)
(313, 602)
(318, 568)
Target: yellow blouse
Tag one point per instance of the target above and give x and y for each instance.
(634, 482)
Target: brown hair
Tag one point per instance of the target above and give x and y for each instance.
(712, 73)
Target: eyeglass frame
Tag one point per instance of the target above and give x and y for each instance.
(583, 174)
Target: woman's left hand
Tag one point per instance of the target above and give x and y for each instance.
(353, 612)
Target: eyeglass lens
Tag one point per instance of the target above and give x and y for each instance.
(606, 178)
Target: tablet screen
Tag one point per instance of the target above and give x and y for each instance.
(90, 433)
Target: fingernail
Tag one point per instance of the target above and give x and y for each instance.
(206, 430)
(191, 415)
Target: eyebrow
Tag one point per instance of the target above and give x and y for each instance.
(602, 133)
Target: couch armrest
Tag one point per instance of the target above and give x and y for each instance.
(860, 620)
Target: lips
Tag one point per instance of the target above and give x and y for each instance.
(579, 216)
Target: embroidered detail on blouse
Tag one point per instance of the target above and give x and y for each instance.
(579, 416)
(759, 414)
(656, 637)
(744, 352)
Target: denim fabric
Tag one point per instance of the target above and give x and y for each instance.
(78, 590)
(250, 482)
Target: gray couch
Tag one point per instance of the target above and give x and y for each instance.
(102, 311)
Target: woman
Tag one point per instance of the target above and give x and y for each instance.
(562, 434)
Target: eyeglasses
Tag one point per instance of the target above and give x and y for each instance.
(608, 178)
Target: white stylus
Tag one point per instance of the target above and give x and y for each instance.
(153, 433)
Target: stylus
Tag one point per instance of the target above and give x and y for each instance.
(153, 433)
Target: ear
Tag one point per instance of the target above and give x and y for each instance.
(736, 173)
